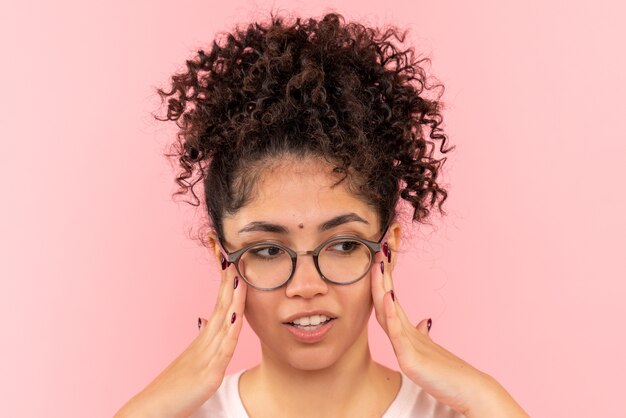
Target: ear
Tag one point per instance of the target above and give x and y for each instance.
(214, 247)
(394, 235)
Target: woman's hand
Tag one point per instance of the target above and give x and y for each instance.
(196, 374)
(443, 375)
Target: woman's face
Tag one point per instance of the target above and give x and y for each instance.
(298, 198)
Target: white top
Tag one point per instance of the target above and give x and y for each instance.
(411, 402)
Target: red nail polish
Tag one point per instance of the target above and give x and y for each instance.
(393, 295)
(232, 318)
(389, 257)
(386, 249)
(199, 322)
(382, 267)
(224, 263)
(429, 323)
(236, 282)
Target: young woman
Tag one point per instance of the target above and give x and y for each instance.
(306, 136)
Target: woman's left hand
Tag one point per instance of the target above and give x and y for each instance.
(443, 375)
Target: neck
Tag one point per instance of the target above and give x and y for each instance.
(278, 389)
(352, 367)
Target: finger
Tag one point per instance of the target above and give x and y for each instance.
(395, 328)
(227, 338)
(238, 303)
(224, 301)
(222, 332)
(219, 348)
(400, 312)
(388, 287)
(234, 312)
(387, 281)
(226, 283)
(424, 326)
(378, 290)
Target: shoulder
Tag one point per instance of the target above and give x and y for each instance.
(225, 403)
(414, 402)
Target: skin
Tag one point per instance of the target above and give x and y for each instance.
(298, 195)
(333, 368)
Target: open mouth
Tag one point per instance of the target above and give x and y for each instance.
(311, 323)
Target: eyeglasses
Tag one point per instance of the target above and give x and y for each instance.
(343, 259)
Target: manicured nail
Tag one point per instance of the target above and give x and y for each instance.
(233, 317)
(386, 249)
(224, 263)
(236, 282)
(382, 267)
(389, 257)
(393, 295)
(429, 323)
(199, 322)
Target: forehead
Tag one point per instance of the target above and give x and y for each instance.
(294, 191)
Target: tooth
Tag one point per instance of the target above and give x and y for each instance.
(312, 320)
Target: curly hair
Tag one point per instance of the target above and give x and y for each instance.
(339, 91)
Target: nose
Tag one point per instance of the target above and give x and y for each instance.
(306, 281)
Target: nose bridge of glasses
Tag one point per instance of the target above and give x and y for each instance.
(310, 252)
(312, 264)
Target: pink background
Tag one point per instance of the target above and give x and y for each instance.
(101, 286)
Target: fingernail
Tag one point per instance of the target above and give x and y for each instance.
(429, 323)
(386, 249)
(233, 317)
(199, 322)
(382, 267)
(236, 282)
(393, 295)
(224, 263)
(389, 257)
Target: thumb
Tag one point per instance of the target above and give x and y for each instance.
(424, 326)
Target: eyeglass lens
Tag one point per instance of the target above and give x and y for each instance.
(340, 261)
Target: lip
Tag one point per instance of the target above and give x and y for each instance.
(313, 336)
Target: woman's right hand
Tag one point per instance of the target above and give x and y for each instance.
(196, 374)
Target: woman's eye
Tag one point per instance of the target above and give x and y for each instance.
(267, 252)
(344, 246)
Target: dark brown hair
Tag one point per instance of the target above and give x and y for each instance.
(340, 91)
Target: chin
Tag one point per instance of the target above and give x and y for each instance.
(312, 358)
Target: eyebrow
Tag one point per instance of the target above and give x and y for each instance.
(260, 226)
(340, 220)
(263, 227)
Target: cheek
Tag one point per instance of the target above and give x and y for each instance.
(260, 310)
(357, 300)
(365, 289)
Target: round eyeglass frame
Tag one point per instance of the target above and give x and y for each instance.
(373, 246)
